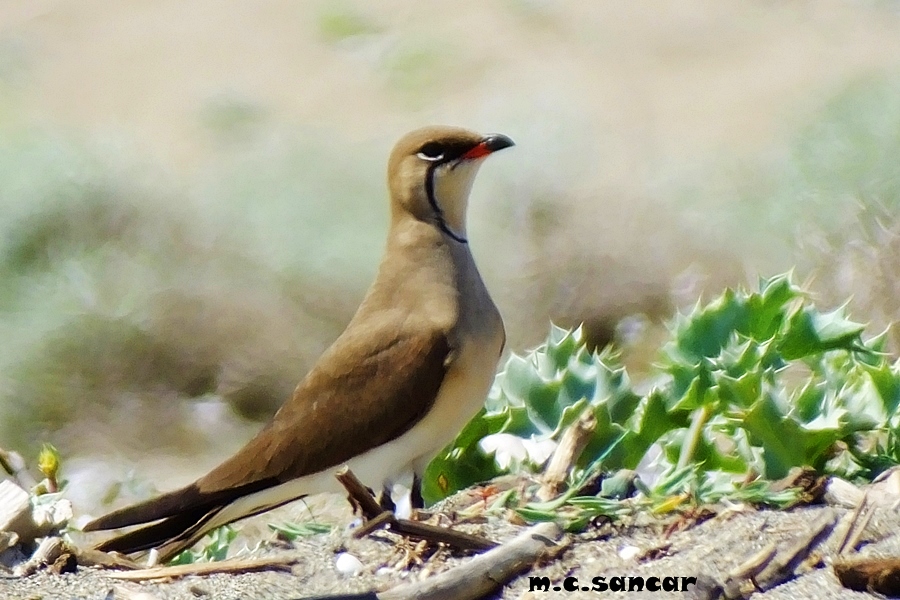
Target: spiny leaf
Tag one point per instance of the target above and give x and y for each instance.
(810, 332)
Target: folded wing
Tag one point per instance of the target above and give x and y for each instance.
(366, 390)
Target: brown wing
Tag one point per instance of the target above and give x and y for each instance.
(367, 389)
(363, 393)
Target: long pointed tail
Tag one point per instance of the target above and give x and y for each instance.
(170, 536)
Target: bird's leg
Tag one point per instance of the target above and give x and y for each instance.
(415, 493)
(385, 500)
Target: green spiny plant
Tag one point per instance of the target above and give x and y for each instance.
(217, 544)
(747, 387)
(292, 531)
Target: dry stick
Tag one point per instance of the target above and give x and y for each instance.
(572, 444)
(859, 529)
(748, 571)
(235, 565)
(851, 520)
(46, 553)
(382, 520)
(88, 557)
(442, 535)
(786, 562)
(361, 495)
(770, 567)
(486, 572)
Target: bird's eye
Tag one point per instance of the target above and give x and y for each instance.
(431, 152)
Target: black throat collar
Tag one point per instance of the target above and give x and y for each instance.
(438, 213)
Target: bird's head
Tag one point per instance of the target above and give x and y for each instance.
(431, 171)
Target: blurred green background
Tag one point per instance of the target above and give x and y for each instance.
(192, 196)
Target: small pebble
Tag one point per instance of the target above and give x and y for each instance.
(348, 565)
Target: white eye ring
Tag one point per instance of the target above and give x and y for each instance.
(424, 156)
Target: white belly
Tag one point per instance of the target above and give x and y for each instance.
(461, 395)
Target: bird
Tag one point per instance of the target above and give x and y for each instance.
(413, 365)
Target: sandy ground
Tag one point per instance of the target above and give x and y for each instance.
(708, 550)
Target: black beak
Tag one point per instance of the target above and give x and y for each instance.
(488, 145)
(497, 141)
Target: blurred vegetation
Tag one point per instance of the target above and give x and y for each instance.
(417, 67)
(826, 203)
(339, 21)
(231, 117)
(117, 299)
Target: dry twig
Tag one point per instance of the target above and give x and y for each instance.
(770, 567)
(50, 549)
(88, 557)
(224, 566)
(359, 493)
(362, 497)
(857, 521)
(572, 444)
(749, 570)
(787, 560)
(487, 572)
